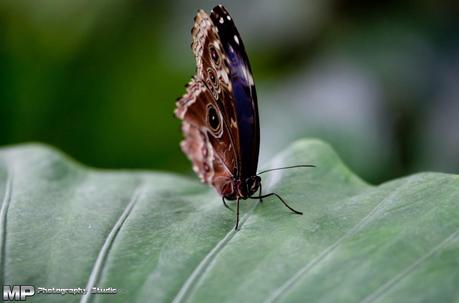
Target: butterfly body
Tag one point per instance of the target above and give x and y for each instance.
(219, 110)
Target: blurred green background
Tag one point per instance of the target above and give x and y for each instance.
(99, 79)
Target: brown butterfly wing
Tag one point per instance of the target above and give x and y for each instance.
(208, 112)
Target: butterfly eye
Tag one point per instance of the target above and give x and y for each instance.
(212, 118)
(214, 55)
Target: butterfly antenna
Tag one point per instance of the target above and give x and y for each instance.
(286, 167)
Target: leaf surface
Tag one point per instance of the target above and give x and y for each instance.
(159, 237)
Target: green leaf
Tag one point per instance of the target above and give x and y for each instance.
(159, 237)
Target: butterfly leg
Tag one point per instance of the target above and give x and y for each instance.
(237, 214)
(226, 205)
(280, 198)
(260, 194)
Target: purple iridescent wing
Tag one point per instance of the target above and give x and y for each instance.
(243, 88)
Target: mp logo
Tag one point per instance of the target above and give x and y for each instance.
(17, 292)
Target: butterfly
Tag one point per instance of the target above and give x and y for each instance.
(219, 112)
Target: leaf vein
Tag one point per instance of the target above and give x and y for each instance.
(279, 292)
(385, 288)
(3, 222)
(103, 253)
(184, 292)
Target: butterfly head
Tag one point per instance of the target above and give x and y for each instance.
(246, 188)
(253, 184)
